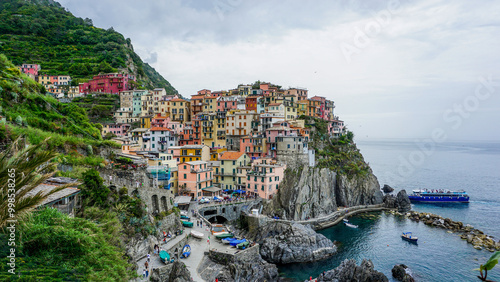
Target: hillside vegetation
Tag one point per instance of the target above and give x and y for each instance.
(43, 32)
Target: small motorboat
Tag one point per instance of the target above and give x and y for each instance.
(408, 237)
(185, 217)
(197, 234)
(243, 245)
(223, 236)
(228, 240)
(186, 251)
(236, 242)
(350, 225)
(345, 220)
(165, 257)
(187, 224)
(220, 233)
(217, 228)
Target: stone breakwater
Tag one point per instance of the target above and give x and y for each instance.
(473, 236)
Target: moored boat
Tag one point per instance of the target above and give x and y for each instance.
(187, 224)
(243, 245)
(222, 236)
(408, 237)
(186, 251)
(197, 234)
(164, 256)
(185, 217)
(350, 225)
(438, 196)
(228, 240)
(234, 243)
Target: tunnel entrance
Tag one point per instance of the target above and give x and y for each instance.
(217, 219)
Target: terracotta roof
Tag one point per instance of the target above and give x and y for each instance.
(159, 129)
(231, 155)
(177, 100)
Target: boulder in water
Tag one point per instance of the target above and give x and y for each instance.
(400, 273)
(387, 189)
(403, 202)
(349, 271)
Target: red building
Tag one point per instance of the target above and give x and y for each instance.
(111, 83)
(251, 103)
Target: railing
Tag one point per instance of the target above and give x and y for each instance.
(201, 170)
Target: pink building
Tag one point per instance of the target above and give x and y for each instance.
(195, 178)
(165, 122)
(254, 147)
(30, 69)
(118, 129)
(226, 103)
(265, 177)
(111, 83)
(280, 129)
(326, 107)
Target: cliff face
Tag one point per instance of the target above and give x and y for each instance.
(287, 243)
(314, 192)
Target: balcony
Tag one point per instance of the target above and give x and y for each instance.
(200, 170)
(256, 173)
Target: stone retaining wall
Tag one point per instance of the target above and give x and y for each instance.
(156, 199)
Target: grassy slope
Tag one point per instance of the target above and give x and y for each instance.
(43, 32)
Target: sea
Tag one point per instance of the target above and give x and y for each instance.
(473, 166)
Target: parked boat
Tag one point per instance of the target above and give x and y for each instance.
(164, 256)
(222, 236)
(345, 220)
(217, 228)
(228, 240)
(236, 242)
(243, 245)
(186, 251)
(350, 225)
(438, 196)
(187, 223)
(197, 234)
(185, 217)
(220, 233)
(408, 237)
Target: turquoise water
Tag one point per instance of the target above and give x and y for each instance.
(439, 256)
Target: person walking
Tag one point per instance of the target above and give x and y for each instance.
(149, 257)
(144, 273)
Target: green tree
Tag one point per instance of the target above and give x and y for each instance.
(21, 171)
(94, 192)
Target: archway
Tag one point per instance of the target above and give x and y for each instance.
(217, 219)
(154, 204)
(164, 205)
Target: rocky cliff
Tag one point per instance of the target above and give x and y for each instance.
(245, 266)
(288, 243)
(349, 271)
(313, 192)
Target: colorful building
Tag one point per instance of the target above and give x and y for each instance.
(194, 178)
(265, 177)
(229, 163)
(111, 83)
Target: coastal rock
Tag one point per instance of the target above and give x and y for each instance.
(139, 247)
(400, 273)
(310, 192)
(174, 272)
(403, 202)
(387, 189)
(287, 243)
(349, 271)
(246, 266)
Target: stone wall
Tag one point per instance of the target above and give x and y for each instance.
(156, 199)
(229, 211)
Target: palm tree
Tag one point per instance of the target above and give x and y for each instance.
(21, 171)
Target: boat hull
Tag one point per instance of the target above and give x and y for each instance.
(438, 199)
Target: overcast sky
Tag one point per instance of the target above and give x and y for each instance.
(395, 69)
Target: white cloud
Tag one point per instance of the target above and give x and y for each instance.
(426, 58)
